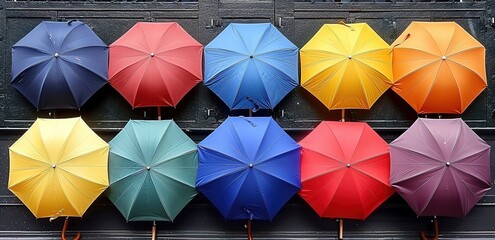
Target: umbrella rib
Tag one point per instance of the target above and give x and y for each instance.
(41, 173)
(431, 37)
(175, 180)
(45, 26)
(160, 198)
(467, 69)
(262, 90)
(276, 177)
(64, 144)
(262, 196)
(279, 154)
(78, 189)
(68, 33)
(82, 154)
(81, 177)
(84, 67)
(133, 200)
(221, 153)
(176, 157)
(236, 33)
(261, 39)
(33, 48)
(415, 152)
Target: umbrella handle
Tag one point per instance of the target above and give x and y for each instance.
(341, 229)
(153, 231)
(435, 237)
(249, 230)
(64, 229)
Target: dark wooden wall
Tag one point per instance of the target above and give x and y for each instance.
(298, 113)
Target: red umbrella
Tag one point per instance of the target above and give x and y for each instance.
(345, 169)
(155, 64)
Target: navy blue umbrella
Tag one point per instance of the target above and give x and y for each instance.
(248, 168)
(251, 66)
(59, 65)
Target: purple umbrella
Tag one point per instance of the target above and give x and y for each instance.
(440, 167)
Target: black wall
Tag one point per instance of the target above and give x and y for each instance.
(106, 112)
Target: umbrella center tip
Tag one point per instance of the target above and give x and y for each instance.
(447, 164)
(350, 56)
(148, 168)
(56, 55)
(152, 54)
(54, 166)
(444, 57)
(348, 165)
(250, 165)
(251, 56)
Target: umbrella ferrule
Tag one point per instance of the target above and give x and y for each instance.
(148, 168)
(444, 57)
(54, 166)
(152, 54)
(250, 165)
(348, 165)
(447, 164)
(350, 56)
(56, 55)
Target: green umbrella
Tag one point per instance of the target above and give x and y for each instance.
(152, 170)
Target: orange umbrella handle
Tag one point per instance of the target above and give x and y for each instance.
(435, 225)
(64, 229)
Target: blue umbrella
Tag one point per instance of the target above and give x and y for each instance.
(59, 65)
(248, 168)
(251, 66)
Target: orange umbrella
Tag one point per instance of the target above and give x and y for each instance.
(438, 67)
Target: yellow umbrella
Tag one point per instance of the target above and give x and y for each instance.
(58, 167)
(346, 66)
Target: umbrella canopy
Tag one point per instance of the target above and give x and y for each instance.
(440, 167)
(155, 64)
(251, 66)
(346, 66)
(345, 169)
(152, 170)
(438, 67)
(248, 168)
(58, 167)
(59, 65)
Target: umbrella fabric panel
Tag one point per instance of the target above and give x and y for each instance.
(152, 163)
(59, 65)
(437, 67)
(58, 167)
(440, 167)
(248, 168)
(155, 64)
(345, 169)
(346, 66)
(251, 66)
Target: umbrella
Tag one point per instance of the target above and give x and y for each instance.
(438, 67)
(59, 65)
(345, 169)
(440, 167)
(152, 170)
(155, 64)
(346, 66)
(251, 66)
(58, 167)
(248, 168)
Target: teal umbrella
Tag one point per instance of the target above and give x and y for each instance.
(152, 170)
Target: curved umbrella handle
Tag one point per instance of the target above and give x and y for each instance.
(64, 229)
(435, 237)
